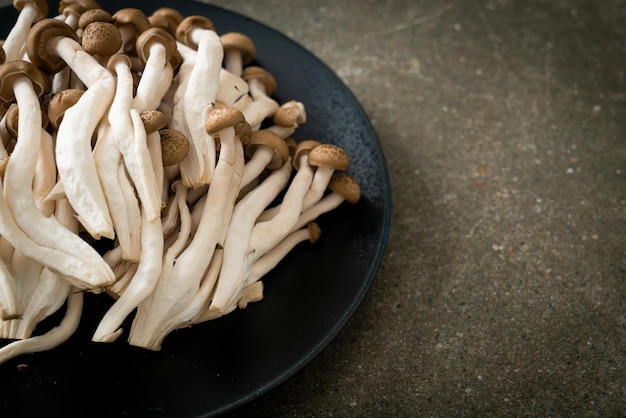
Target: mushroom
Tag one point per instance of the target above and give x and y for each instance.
(131, 22)
(119, 194)
(30, 12)
(155, 48)
(287, 118)
(51, 289)
(197, 168)
(265, 149)
(180, 286)
(239, 50)
(82, 263)
(153, 121)
(269, 260)
(146, 276)
(262, 85)
(131, 140)
(166, 18)
(52, 338)
(327, 158)
(101, 39)
(49, 42)
(145, 318)
(344, 188)
(237, 242)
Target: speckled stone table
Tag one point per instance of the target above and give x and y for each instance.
(502, 289)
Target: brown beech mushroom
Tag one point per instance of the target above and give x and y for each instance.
(197, 101)
(131, 22)
(102, 39)
(269, 260)
(174, 146)
(30, 12)
(265, 150)
(79, 262)
(344, 188)
(131, 140)
(262, 85)
(155, 48)
(175, 291)
(239, 50)
(50, 41)
(287, 118)
(327, 158)
(166, 18)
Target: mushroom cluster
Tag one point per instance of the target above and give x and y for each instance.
(157, 139)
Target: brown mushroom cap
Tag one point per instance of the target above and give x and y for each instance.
(101, 38)
(3, 55)
(290, 114)
(153, 120)
(11, 70)
(60, 102)
(188, 24)
(151, 36)
(40, 5)
(174, 146)
(131, 16)
(345, 185)
(166, 18)
(329, 156)
(258, 73)
(94, 15)
(115, 58)
(235, 41)
(82, 5)
(302, 148)
(224, 117)
(314, 232)
(272, 141)
(244, 133)
(37, 44)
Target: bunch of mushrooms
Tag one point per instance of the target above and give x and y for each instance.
(157, 139)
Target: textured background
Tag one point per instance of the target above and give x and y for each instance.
(502, 290)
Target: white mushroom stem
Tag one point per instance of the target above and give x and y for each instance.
(265, 235)
(231, 88)
(176, 290)
(45, 174)
(46, 231)
(9, 303)
(75, 162)
(51, 289)
(155, 80)
(236, 245)
(16, 38)
(256, 164)
(131, 141)
(258, 110)
(141, 285)
(197, 168)
(326, 204)
(202, 299)
(52, 338)
(267, 262)
(123, 205)
(150, 314)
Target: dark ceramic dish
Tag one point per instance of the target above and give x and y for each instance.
(217, 366)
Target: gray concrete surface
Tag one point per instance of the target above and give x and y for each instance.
(502, 290)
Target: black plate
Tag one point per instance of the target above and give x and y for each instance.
(215, 367)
